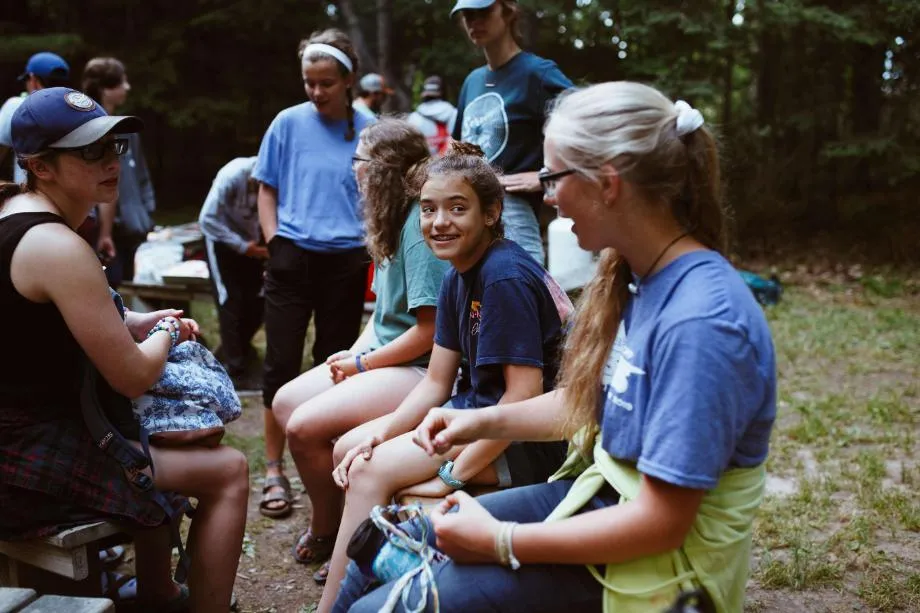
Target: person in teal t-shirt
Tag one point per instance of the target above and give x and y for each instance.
(380, 369)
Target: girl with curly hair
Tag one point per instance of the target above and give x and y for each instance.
(389, 359)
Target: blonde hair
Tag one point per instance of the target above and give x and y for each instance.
(632, 127)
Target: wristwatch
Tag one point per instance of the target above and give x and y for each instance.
(449, 479)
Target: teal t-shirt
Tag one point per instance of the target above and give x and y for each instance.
(411, 279)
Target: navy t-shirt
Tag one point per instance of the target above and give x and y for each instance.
(690, 385)
(504, 310)
(503, 111)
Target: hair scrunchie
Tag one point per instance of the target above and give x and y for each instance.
(688, 118)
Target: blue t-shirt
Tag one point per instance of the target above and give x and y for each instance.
(503, 111)
(504, 310)
(307, 159)
(690, 385)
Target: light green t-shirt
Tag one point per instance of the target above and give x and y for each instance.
(411, 279)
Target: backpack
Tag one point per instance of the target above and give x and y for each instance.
(440, 140)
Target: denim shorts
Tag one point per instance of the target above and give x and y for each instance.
(522, 226)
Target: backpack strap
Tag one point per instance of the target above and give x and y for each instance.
(107, 438)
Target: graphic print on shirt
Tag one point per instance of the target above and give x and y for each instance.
(475, 317)
(618, 370)
(485, 123)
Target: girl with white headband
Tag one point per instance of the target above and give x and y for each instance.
(310, 213)
(667, 393)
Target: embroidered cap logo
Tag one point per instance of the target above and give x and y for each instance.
(79, 102)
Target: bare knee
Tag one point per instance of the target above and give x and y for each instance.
(230, 473)
(368, 477)
(285, 402)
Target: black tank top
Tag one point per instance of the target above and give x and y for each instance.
(40, 366)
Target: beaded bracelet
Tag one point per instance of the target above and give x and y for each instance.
(169, 325)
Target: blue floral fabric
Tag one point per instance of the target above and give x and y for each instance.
(194, 393)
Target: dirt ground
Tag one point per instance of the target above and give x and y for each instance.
(269, 580)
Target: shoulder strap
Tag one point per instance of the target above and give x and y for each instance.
(116, 446)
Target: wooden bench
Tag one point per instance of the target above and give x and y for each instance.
(66, 562)
(19, 600)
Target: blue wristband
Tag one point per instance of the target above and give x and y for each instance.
(358, 363)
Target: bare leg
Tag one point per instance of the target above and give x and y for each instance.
(316, 423)
(395, 465)
(291, 395)
(153, 563)
(219, 479)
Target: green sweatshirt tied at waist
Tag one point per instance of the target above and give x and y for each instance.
(715, 555)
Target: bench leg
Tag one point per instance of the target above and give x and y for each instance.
(45, 582)
(9, 572)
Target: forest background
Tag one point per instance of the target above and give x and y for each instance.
(815, 101)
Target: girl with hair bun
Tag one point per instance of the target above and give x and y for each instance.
(309, 210)
(499, 319)
(667, 392)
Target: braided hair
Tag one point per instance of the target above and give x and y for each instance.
(338, 39)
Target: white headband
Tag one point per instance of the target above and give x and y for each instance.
(688, 118)
(328, 50)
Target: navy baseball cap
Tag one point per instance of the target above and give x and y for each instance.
(63, 118)
(462, 5)
(46, 64)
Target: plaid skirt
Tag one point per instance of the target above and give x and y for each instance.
(52, 477)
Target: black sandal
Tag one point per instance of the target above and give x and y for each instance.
(265, 504)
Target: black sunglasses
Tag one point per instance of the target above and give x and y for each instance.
(357, 158)
(547, 178)
(96, 151)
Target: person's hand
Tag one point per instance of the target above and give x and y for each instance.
(255, 250)
(467, 535)
(443, 428)
(335, 373)
(342, 369)
(105, 246)
(521, 182)
(139, 324)
(365, 449)
(432, 488)
(188, 329)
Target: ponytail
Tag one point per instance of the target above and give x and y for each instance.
(350, 113)
(590, 340)
(700, 208)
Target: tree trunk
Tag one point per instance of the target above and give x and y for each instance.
(366, 59)
(400, 100)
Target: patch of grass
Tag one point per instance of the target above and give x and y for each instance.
(807, 565)
(849, 406)
(253, 447)
(885, 590)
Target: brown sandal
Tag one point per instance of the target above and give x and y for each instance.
(276, 512)
(322, 573)
(315, 548)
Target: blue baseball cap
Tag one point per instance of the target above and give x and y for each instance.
(462, 5)
(46, 64)
(63, 118)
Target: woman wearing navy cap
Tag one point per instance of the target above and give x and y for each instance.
(53, 288)
(502, 108)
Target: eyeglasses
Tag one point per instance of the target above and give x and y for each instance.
(96, 151)
(548, 179)
(357, 159)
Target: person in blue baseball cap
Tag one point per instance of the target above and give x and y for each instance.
(52, 285)
(502, 108)
(43, 70)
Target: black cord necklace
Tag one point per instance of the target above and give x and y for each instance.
(634, 287)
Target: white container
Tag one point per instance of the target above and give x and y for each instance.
(570, 265)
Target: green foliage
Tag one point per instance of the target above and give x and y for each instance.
(813, 99)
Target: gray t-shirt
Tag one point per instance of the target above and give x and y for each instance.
(411, 279)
